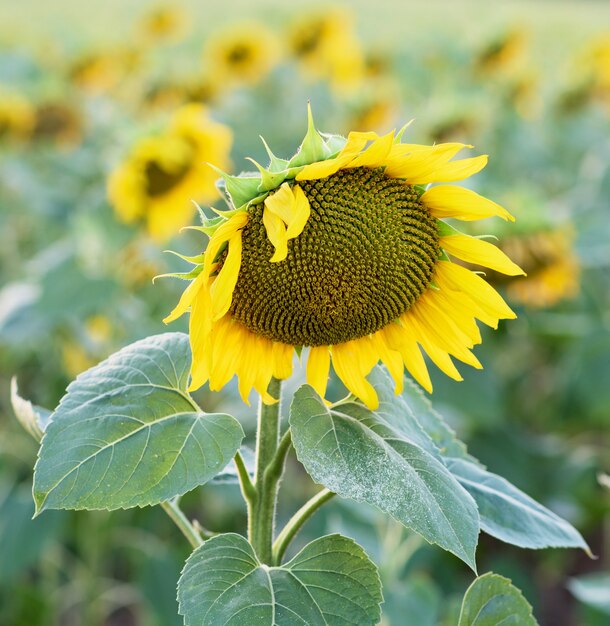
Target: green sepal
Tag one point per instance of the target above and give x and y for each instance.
(313, 148)
(420, 190)
(275, 163)
(210, 225)
(193, 260)
(334, 144)
(401, 132)
(182, 275)
(240, 189)
(446, 230)
(269, 180)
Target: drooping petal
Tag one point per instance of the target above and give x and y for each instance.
(318, 366)
(349, 367)
(479, 252)
(463, 204)
(222, 288)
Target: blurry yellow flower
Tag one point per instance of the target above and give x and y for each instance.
(375, 108)
(164, 174)
(58, 122)
(343, 250)
(502, 54)
(325, 46)
(169, 95)
(163, 23)
(244, 54)
(92, 345)
(101, 72)
(552, 267)
(599, 59)
(17, 117)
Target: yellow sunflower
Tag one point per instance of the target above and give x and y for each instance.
(326, 46)
(553, 269)
(58, 122)
(163, 175)
(244, 54)
(17, 117)
(342, 249)
(163, 23)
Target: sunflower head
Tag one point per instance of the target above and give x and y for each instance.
(325, 45)
(244, 54)
(58, 122)
(17, 117)
(341, 249)
(163, 174)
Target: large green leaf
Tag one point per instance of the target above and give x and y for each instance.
(506, 512)
(492, 600)
(512, 516)
(330, 582)
(128, 434)
(370, 457)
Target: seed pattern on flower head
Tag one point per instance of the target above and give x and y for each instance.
(365, 255)
(341, 250)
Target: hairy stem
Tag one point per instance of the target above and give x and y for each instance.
(262, 512)
(179, 518)
(296, 523)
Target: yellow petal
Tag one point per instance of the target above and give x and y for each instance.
(455, 170)
(281, 203)
(473, 250)
(186, 299)
(453, 276)
(376, 154)
(417, 165)
(276, 232)
(222, 288)
(282, 360)
(318, 365)
(200, 330)
(463, 204)
(392, 360)
(401, 338)
(300, 213)
(347, 364)
(222, 234)
(353, 146)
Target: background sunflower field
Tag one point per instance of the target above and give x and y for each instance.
(107, 112)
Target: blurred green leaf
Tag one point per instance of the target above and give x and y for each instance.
(128, 434)
(492, 600)
(33, 418)
(512, 516)
(418, 597)
(367, 456)
(330, 581)
(23, 539)
(592, 590)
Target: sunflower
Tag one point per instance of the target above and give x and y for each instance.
(341, 249)
(58, 122)
(164, 174)
(553, 269)
(163, 23)
(325, 45)
(244, 54)
(17, 117)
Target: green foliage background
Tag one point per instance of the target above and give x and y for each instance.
(538, 413)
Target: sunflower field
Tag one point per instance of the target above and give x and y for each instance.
(305, 313)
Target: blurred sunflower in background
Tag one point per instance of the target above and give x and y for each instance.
(325, 45)
(502, 54)
(242, 54)
(552, 267)
(163, 175)
(58, 122)
(342, 249)
(162, 23)
(17, 117)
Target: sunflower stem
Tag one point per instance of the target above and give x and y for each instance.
(179, 518)
(296, 522)
(261, 514)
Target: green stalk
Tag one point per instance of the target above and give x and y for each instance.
(296, 523)
(179, 518)
(269, 467)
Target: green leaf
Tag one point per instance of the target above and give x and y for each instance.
(331, 581)
(512, 516)
(33, 418)
(376, 457)
(128, 434)
(492, 600)
(592, 590)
